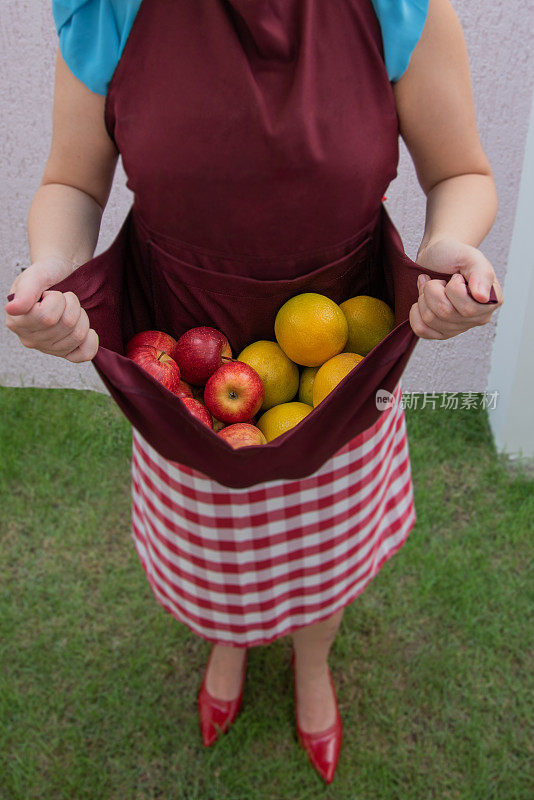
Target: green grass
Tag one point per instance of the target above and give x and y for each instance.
(432, 664)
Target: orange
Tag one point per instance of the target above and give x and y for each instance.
(369, 320)
(307, 376)
(331, 373)
(310, 328)
(281, 418)
(279, 375)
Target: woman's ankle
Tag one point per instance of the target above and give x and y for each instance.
(224, 673)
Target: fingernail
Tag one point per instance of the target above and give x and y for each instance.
(485, 290)
(492, 296)
(10, 297)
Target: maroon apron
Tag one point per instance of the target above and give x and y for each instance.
(258, 137)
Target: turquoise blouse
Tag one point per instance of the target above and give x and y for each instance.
(92, 35)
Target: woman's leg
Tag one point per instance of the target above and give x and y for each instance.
(311, 644)
(225, 670)
(316, 701)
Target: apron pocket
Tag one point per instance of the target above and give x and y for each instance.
(137, 285)
(243, 308)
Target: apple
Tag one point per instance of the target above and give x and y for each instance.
(198, 410)
(234, 393)
(157, 339)
(241, 434)
(200, 351)
(158, 364)
(184, 390)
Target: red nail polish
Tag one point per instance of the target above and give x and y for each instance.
(10, 297)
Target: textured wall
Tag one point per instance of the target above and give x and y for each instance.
(502, 79)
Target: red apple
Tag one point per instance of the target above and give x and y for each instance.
(157, 339)
(158, 364)
(234, 393)
(199, 352)
(198, 410)
(241, 434)
(184, 390)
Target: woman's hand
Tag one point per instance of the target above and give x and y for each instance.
(50, 321)
(444, 308)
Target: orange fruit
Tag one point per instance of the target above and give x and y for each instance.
(310, 328)
(281, 418)
(369, 320)
(307, 376)
(279, 375)
(331, 373)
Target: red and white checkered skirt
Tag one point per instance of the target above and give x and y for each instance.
(246, 566)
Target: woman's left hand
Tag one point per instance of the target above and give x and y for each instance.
(444, 308)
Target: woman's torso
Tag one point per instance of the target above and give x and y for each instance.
(263, 134)
(255, 131)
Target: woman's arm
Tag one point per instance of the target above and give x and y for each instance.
(437, 122)
(64, 223)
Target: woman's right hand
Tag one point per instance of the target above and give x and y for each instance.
(50, 321)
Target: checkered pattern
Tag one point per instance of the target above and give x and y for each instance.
(246, 566)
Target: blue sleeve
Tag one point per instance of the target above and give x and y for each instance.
(92, 35)
(401, 22)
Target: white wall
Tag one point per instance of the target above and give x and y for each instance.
(512, 358)
(502, 76)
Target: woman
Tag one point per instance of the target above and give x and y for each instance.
(227, 113)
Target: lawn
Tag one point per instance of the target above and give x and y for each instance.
(433, 663)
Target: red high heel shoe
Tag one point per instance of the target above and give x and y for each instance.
(323, 747)
(217, 715)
